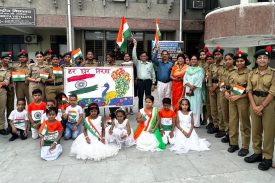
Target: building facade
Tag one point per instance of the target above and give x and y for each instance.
(95, 24)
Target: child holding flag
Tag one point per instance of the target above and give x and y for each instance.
(50, 134)
(91, 143)
(74, 115)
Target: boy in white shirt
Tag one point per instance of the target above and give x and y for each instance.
(74, 115)
(18, 121)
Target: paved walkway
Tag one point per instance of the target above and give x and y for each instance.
(20, 162)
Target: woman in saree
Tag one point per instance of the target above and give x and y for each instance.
(177, 74)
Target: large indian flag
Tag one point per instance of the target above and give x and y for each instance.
(58, 72)
(123, 33)
(18, 76)
(238, 90)
(77, 54)
(158, 33)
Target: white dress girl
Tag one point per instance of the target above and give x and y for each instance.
(96, 150)
(119, 131)
(184, 144)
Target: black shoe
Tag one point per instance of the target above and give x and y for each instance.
(243, 152)
(210, 125)
(225, 139)
(233, 148)
(265, 164)
(212, 130)
(253, 158)
(3, 132)
(220, 134)
(204, 122)
(13, 138)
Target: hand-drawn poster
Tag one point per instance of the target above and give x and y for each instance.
(107, 86)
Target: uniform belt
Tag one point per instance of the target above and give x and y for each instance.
(144, 79)
(215, 81)
(54, 84)
(164, 81)
(260, 93)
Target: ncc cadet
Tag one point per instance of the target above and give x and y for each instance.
(10, 88)
(67, 60)
(54, 84)
(224, 86)
(214, 90)
(4, 83)
(90, 61)
(238, 105)
(37, 74)
(209, 59)
(261, 92)
(202, 63)
(48, 54)
(19, 75)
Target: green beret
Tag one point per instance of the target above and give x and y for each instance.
(8, 54)
(266, 51)
(205, 49)
(23, 53)
(218, 49)
(243, 55)
(67, 53)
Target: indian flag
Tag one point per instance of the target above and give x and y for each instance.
(123, 33)
(18, 76)
(77, 54)
(44, 75)
(238, 90)
(44, 130)
(158, 33)
(58, 72)
(64, 99)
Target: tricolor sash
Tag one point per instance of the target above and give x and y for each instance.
(148, 122)
(91, 128)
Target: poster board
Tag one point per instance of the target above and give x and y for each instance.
(107, 86)
(173, 48)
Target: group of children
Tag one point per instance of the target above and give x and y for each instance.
(156, 128)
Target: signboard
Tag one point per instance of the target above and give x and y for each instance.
(173, 48)
(107, 86)
(17, 16)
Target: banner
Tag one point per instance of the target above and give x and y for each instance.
(173, 48)
(107, 86)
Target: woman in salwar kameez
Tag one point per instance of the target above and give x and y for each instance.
(193, 80)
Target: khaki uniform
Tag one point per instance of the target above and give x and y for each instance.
(55, 87)
(22, 87)
(263, 125)
(216, 112)
(10, 95)
(4, 77)
(90, 64)
(225, 85)
(238, 111)
(34, 73)
(207, 111)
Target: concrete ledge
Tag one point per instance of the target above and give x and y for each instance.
(238, 25)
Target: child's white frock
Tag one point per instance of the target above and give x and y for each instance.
(183, 144)
(96, 150)
(119, 131)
